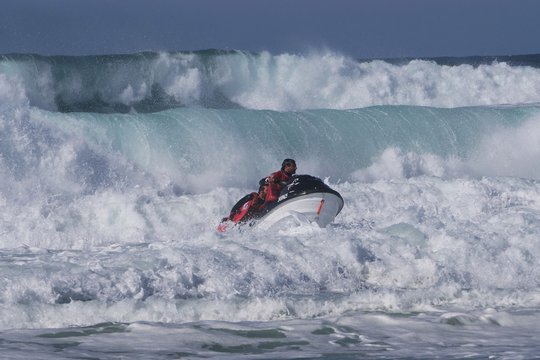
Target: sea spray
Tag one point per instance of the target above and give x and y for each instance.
(149, 82)
(117, 169)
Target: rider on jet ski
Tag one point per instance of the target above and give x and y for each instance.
(279, 179)
(284, 196)
(253, 205)
(248, 207)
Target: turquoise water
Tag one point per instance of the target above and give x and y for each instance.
(116, 171)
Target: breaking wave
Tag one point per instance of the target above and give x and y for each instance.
(115, 170)
(150, 82)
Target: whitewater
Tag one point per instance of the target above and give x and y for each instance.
(116, 170)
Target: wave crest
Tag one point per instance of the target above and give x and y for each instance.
(153, 82)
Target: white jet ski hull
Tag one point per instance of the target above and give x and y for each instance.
(318, 207)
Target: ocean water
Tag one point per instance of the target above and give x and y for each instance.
(117, 169)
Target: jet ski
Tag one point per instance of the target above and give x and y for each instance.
(305, 199)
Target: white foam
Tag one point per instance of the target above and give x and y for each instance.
(186, 87)
(319, 80)
(12, 93)
(393, 163)
(329, 80)
(416, 244)
(503, 151)
(510, 152)
(87, 236)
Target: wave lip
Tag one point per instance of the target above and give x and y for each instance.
(150, 82)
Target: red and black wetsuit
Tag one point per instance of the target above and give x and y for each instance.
(276, 183)
(246, 208)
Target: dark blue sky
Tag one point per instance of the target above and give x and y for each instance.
(363, 29)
